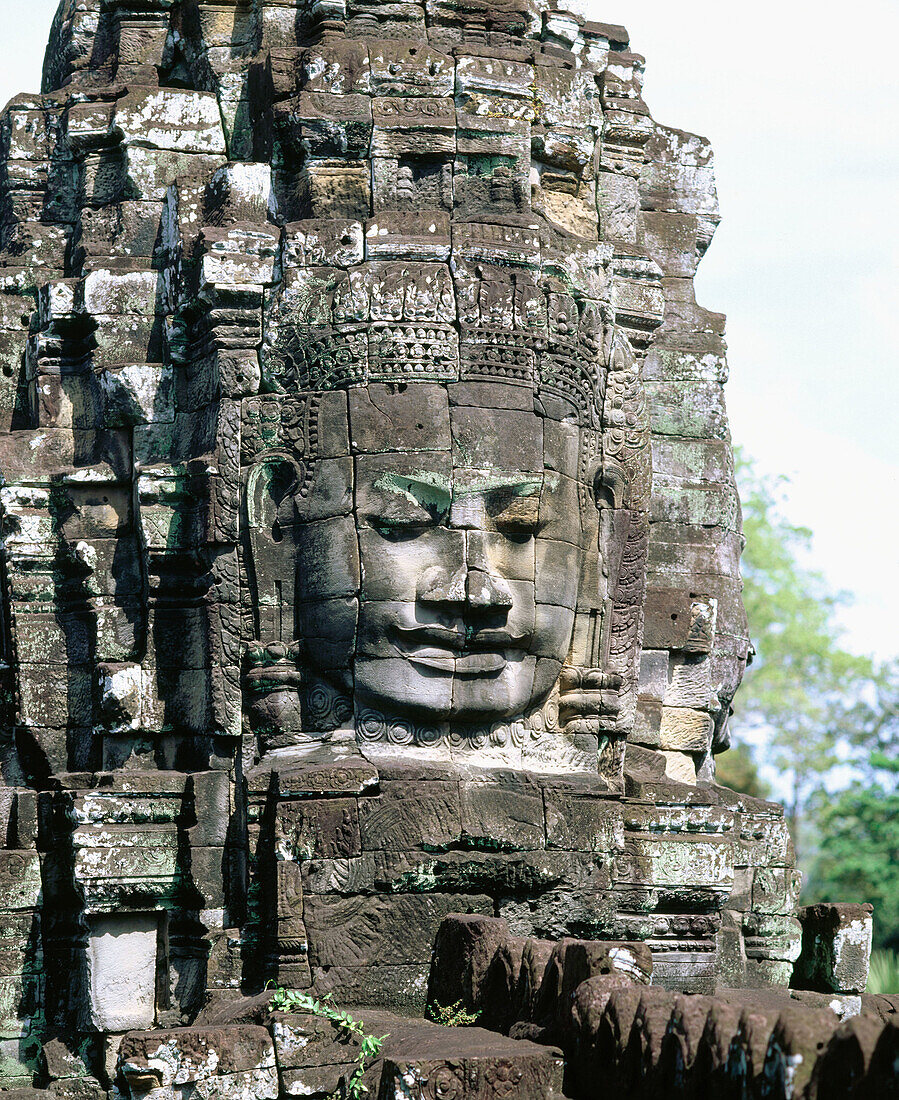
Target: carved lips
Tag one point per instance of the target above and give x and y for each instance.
(465, 653)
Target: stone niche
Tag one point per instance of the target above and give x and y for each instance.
(123, 960)
(370, 542)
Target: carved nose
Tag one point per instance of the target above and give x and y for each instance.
(486, 591)
(474, 587)
(438, 585)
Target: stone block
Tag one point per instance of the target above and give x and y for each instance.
(574, 962)
(212, 809)
(774, 939)
(617, 202)
(382, 931)
(505, 814)
(328, 126)
(328, 558)
(417, 416)
(480, 1066)
(684, 730)
(690, 971)
(320, 775)
(582, 823)
(764, 840)
(691, 684)
(20, 881)
(464, 949)
(688, 409)
(318, 1082)
(449, 872)
(562, 911)
(678, 861)
(679, 766)
(333, 189)
(671, 239)
(836, 948)
(320, 829)
(305, 1041)
(185, 121)
(402, 986)
(236, 1061)
(409, 816)
(55, 696)
(520, 450)
(122, 958)
(775, 890)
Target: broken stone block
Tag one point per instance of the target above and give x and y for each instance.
(236, 1061)
(836, 948)
(472, 1063)
(122, 960)
(463, 951)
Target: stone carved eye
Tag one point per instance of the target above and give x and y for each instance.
(519, 518)
(399, 530)
(517, 535)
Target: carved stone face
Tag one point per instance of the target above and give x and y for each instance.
(471, 547)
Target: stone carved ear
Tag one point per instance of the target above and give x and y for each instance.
(627, 460)
(622, 485)
(270, 514)
(609, 485)
(271, 485)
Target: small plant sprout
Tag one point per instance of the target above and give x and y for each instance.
(451, 1015)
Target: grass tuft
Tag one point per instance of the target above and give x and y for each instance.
(883, 977)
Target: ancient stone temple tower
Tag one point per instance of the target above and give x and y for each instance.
(370, 543)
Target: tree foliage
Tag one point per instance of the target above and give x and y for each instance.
(829, 719)
(800, 676)
(738, 770)
(872, 725)
(858, 854)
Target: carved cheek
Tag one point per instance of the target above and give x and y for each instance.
(552, 631)
(327, 559)
(396, 570)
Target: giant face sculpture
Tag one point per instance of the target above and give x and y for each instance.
(452, 542)
(439, 513)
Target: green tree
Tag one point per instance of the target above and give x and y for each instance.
(858, 853)
(872, 725)
(738, 770)
(801, 676)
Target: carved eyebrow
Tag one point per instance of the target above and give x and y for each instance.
(428, 491)
(432, 491)
(518, 487)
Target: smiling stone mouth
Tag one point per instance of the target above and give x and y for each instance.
(443, 642)
(482, 663)
(455, 652)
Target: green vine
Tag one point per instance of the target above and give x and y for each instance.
(451, 1015)
(290, 1000)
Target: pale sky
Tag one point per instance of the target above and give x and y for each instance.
(802, 106)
